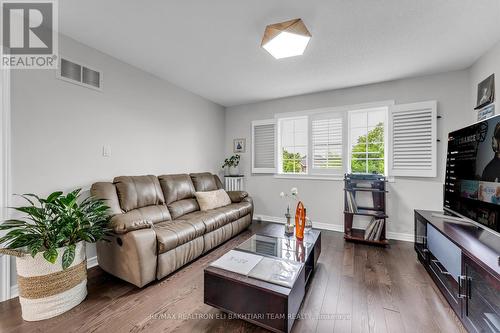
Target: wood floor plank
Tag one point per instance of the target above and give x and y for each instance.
(364, 288)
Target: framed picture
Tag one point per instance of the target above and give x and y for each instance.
(486, 92)
(239, 145)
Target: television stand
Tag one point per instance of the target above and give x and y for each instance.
(452, 218)
(463, 261)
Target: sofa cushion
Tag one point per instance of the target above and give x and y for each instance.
(139, 218)
(211, 219)
(138, 191)
(244, 208)
(212, 199)
(179, 208)
(232, 213)
(178, 191)
(176, 187)
(171, 234)
(196, 220)
(205, 182)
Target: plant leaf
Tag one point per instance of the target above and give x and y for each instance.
(53, 196)
(35, 247)
(50, 255)
(68, 256)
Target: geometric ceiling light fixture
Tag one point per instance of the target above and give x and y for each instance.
(286, 39)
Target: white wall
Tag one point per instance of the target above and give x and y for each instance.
(487, 64)
(324, 198)
(153, 127)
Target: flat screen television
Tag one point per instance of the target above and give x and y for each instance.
(472, 182)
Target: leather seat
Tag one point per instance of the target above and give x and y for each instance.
(210, 219)
(244, 208)
(157, 225)
(172, 234)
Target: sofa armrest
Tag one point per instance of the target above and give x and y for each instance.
(131, 221)
(237, 196)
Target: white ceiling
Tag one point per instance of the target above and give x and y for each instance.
(212, 47)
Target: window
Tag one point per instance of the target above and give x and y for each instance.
(327, 143)
(413, 139)
(263, 146)
(383, 138)
(367, 132)
(293, 145)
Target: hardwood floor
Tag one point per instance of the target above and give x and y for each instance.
(356, 288)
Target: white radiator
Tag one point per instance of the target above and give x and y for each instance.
(233, 183)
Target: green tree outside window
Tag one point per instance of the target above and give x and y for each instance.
(293, 162)
(368, 153)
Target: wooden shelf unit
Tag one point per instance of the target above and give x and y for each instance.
(377, 187)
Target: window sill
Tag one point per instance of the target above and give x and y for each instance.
(320, 177)
(310, 177)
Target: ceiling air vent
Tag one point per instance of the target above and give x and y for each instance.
(79, 74)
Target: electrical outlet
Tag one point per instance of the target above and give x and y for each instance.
(106, 151)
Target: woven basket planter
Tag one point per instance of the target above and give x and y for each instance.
(45, 289)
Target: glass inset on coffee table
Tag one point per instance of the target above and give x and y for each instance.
(279, 247)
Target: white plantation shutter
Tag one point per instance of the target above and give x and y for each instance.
(263, 146)
(327, 143)
(413, 139)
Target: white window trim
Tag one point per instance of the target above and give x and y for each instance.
(5, 175)
(257, 123)
(328, 172)
(386, 137)
(431, 173)
(279, 159)
(346, 161)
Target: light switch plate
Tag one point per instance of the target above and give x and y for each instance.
(106, 151)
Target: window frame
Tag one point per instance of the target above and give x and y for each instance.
(386, 137)
(256, 123)
(326, 171)
(346, 162)
(279, 146)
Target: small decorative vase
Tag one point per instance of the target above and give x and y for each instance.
(300, 221)
(233, 170)
(288, 226)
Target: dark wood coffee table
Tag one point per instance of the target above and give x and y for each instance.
(266, 304)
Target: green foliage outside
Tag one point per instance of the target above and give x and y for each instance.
(292, 162)
(375, 150)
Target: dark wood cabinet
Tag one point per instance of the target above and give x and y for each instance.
(463, 260)
(481, 308)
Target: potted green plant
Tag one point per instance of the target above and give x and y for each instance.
(232, 164)
(49, 245)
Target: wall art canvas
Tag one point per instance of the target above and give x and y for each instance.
(486, 92)
(239, 145)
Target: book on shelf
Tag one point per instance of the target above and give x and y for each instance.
(369, 228)
(374, 229)
(379, 230)
(351, 203)
(373, 233)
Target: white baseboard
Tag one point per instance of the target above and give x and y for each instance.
(92, 262)
(334, 227)
(14, 292)
(401, 236)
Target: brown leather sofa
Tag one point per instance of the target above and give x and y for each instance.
(158, 226)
